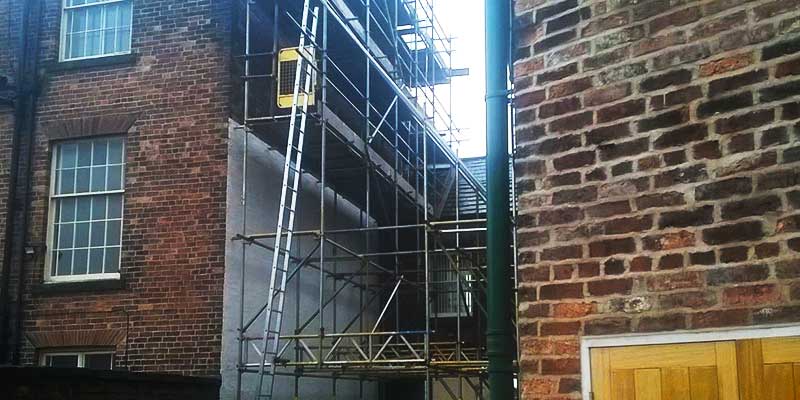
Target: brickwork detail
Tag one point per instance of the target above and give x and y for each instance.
(657, 160)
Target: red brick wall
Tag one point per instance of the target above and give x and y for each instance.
(658, 160)
(170, 306)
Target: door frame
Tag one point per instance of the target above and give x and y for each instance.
(676, 337)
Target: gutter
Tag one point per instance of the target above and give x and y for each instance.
(501, 345)
(17, 208)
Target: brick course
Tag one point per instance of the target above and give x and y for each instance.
(667, 158)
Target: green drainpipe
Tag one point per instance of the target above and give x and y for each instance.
(500, 341)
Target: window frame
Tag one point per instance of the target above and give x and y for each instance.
(62, 48)
(81, 356)
(53, 198)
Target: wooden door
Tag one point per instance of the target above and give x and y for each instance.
(770, 368)
(757, 369)
(696, 371)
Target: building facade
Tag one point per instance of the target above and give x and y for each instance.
(142, 166)
(657, 172)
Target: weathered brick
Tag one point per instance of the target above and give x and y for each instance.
(744, 121)
(655, 43)
(741, 232)
(670, 261)
(722, 85)
(528, 99)
(703, 258)
(733, 254)
(607, 133)
(572, 122)
(557, 74)
(624, 149)
(750, 207)
(712, 27)
(741, 143)
(621, 110)
(707, 150)
(557, 145)
(681, 136)
(774, 137)
(767, 250)
(779, 92)
(677, 77)
(569, 87)
(682, 55)
(663, 120)
(605, 59)
(678, 18)
(716, 319)
(559, 107)
(561, 366)
(619, 37)
(773, 8)
(570, 178)
(787, 68)
(607, 326)
(554, 40)
(674, 281)
(669, 241)
(562, 215)
(561, 291)
(574, 160)
(563, 22)
(680, 96)
(789, 223)
(608, 209)
(663, 323)
(694, 300)
(778, 179)
(731, 275)
(726, 64)
(723, 189)
(573, 310)
(666, 199)
(724, 104)
(626, 225)
(573, 196)
(779, 49)
(606, 23)
(776, 315)
(562, 253)
(678, 176)
(559, 328)
(607, 94)
(605, 248)
(546, 12)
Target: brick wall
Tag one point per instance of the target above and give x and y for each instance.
(176, 88)
(658, 162)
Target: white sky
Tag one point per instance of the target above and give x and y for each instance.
(463, 20)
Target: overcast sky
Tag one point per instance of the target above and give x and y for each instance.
(463, 19)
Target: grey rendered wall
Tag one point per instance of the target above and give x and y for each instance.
(264, 174)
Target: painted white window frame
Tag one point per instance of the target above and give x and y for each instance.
(53, 199)
(62, 47)
(677, 337)
(81, 356)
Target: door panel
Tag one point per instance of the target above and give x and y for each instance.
(697, 371)
(756, 369)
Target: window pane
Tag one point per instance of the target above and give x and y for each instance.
(84, 154)
(115, 151)
(109, 41)
(82, 183)
(98, 233)
(65, 236)
(62, 361)
(125, 14)
(78, 44)
(112, 260)
(111, 16)
(82, 235)
(67, 182)
(64, 261)
(67, 210)
(95, 18)
(99, 207)
(54, 262)
(84, 209)
(124, 39)
(80, 261)
(93, 47)
(95, 261)
(114, 177)
(115, 206)
(98, 179)
(67, 156)
(112, 234)
(79, 20)
(97, 361)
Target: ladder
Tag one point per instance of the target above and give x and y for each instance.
(286, 211)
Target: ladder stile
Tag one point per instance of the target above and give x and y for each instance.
(288, 202)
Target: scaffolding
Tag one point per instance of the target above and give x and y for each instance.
(380, 136)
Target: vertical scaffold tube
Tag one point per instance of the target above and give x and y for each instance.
(500, 341)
